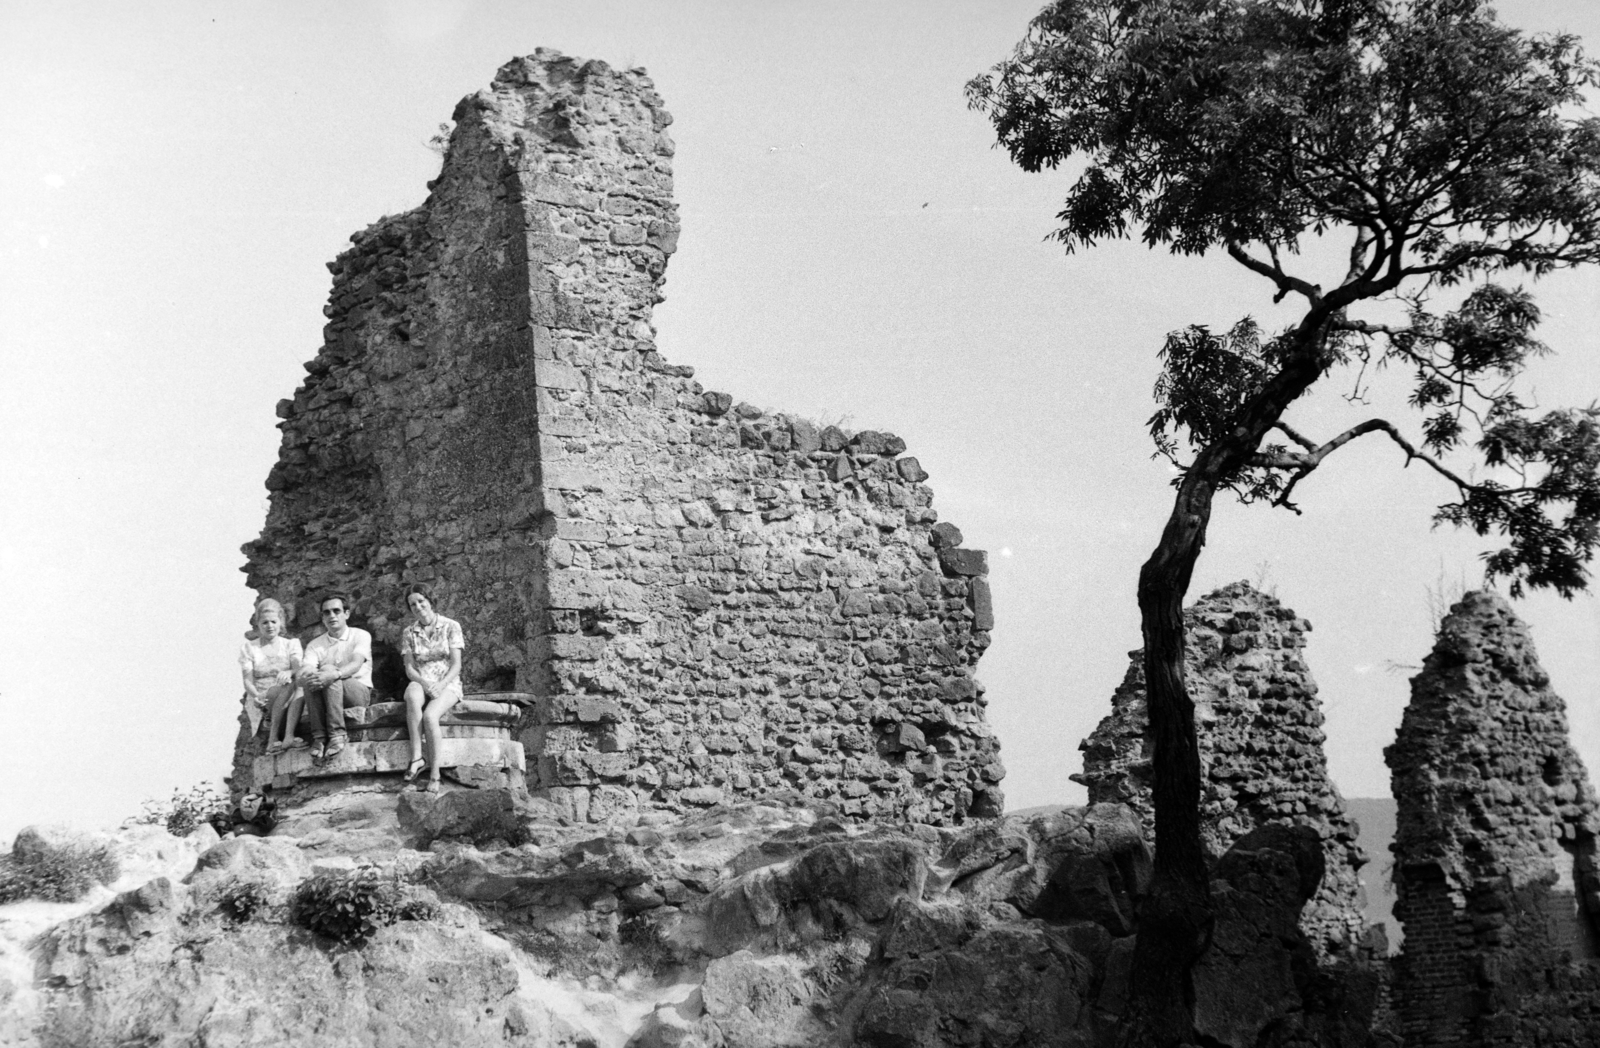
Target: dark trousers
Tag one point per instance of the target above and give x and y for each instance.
(326, 706)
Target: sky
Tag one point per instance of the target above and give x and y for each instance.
(854, 249)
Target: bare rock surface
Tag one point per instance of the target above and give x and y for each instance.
(748, 924)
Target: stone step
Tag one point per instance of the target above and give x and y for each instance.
(476, 710)
(282, 770)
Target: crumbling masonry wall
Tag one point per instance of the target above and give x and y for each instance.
(708, 600)
(1495, 873)
(1260, 735)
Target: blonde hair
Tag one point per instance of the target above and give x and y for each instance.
(266, 604)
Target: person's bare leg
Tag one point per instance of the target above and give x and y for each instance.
(414, 701)
(291, 726)
(277, 697)
(430, 716)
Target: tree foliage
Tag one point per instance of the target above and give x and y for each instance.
(1443, 147)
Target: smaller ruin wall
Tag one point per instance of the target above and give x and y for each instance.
(708, 600)
(1260, 735)
(1495, 872)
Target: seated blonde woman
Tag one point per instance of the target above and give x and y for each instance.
(431, 647)
(269, 663)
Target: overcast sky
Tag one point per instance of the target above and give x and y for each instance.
(176, 175)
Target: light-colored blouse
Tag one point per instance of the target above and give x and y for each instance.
(263, 662)
(429, 646)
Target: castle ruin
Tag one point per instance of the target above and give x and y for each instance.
(698, 600)
(1260, 732)
(1495, 858)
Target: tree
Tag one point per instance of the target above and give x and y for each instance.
(1442, 150)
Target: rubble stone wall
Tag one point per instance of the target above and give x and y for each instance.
(708, 599)
(1260, 734)
(1498, 889)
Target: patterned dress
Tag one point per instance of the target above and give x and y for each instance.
(262, 663)
(430, 647)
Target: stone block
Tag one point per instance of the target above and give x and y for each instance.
(701, 796)
(804, 437)
(381, 758)
(573, 475)
(964, 562)
(982, 605)
(553, 374)
(583, 709)
(552, 247)
(945, 536)
(911, 470)
(871, 442)
(574, 530)
(575, 646)
(576, 588)
(627, 234)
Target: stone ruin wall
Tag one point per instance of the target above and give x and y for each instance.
(1260, 734)
(1495, 866)
(707, 600)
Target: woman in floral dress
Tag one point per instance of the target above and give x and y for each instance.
(431, 647)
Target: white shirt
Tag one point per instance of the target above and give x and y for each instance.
(326, 651)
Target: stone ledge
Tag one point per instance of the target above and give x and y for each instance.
(383, 758)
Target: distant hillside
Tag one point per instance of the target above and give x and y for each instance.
(1376, 816)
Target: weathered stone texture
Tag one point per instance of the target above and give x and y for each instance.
(709, 600)
(1498, 889)
(1260, 733)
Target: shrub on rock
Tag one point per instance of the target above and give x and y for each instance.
(349, 906)
(54, 864)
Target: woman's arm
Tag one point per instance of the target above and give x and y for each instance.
(454, 673)
(247, 670)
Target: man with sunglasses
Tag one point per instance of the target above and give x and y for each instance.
(336, 673)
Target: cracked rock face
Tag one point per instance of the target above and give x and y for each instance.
(1260, 731)
(1495, 869)
(710, 601)
(749, 925)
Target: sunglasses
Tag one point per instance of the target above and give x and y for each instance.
(333, 612)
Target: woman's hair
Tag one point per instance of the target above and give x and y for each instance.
(418, 588)
(264, 605)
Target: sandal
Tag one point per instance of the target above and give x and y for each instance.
(432, 787)
(274, 748)
(415, 768)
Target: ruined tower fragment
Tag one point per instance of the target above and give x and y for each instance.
(1495, 846)
(1260, 733)
(703, 599)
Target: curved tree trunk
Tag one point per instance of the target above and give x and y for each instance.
(1175, 920)
(1175, 917)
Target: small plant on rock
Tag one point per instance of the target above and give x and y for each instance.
(187, 811)
(60, 875)
(349, 906)
(242, 900)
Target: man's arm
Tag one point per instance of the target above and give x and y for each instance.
(309, 665)
(360, 654)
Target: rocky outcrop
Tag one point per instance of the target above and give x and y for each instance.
(746, 925)
(1260, 732)
(1495, 870)
(710, 601)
